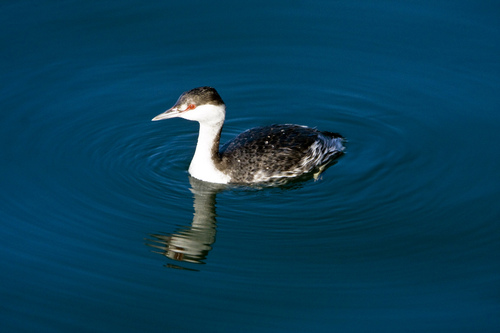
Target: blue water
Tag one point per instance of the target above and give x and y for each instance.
(104, 231)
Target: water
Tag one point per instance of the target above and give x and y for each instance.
(400, 235)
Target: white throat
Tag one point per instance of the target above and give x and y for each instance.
(203, 165)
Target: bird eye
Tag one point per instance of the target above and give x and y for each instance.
(190, 107)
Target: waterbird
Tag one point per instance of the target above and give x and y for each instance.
(265, 154)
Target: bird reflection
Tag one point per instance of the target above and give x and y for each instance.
(192, 243)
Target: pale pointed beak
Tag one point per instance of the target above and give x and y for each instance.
(170, 113)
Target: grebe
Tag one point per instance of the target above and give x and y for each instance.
(258, 155)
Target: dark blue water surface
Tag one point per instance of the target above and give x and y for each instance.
(104, 231)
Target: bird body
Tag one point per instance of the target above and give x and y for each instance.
(258, 155)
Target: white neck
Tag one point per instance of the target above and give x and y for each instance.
(203, 165)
